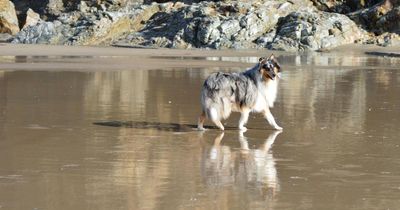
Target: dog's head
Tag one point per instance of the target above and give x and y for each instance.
(269, 67)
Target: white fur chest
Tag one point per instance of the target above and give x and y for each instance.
(266, 95)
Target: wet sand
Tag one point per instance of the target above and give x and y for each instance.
(339, 149)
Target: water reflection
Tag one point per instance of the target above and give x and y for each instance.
(246, 167)
(306, 59)
(341, 139)
(306, 91)
(43, 59)
(234, 59)
(335, 60)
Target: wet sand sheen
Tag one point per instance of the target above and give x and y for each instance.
(339, 148)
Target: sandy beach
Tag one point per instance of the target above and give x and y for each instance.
(86, 58)
(122, 58)
(112, 128)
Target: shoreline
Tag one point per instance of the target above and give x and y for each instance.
(98, 58)
(7, 49)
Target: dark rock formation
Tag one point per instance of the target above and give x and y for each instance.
(343, 6)
(295, 25)
(211, 25)
(380, 18)
(305, 30)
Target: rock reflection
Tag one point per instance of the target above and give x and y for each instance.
(309, 92)
(234, 59)
(107, 91)
(341, 133)
(335, 60)
(246, 167)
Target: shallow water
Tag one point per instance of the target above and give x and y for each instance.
(340, 147)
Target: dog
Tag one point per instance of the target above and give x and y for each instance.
(254, 90)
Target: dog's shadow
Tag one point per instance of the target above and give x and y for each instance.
(174, 127)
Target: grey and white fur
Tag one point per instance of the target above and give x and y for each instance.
(254, 90)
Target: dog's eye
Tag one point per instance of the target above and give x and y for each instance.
(268, 66)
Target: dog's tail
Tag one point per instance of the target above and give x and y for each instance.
(216, 110)
(215, 96)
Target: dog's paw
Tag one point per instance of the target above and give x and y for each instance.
(278, 128)
(201, 129)
(242, 128)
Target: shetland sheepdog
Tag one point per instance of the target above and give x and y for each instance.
(254, 90)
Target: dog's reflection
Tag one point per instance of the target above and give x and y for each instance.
(223, 166)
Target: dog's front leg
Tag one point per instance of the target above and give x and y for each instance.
(270, 118)
(243, 119)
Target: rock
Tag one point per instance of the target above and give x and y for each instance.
(160, 42)
(32, 18)
(55, 7)
(266, 39)
(314, 30)
(86, 28)
(294, 25)
(385, 39)
(214, 24)
(208, 31)
(179, 43)
(83, 7)
(343, 6)
(5, 37)
(253, 25)
(48, 10)
(229, 28)
(380, 18)
(8, 18)
(116, 4)
(41, 33)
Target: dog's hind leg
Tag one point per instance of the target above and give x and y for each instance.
(215, 118)
(270, 118)
(200, 123)
(243, 119)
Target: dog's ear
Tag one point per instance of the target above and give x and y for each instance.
(271, 57)
(275, 62)
(261, 61)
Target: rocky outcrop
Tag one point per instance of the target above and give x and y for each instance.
(343, 6)
(8, 18)
(214, 25)
(273, 25)
(294, 25)
(48, 9)
(86, 26)
(41, 33)
(313, 30)
(380, 18)
(5, 37)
